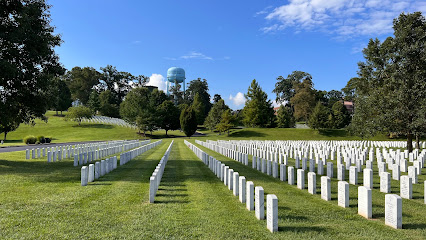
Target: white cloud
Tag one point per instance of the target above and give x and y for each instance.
(238, 100)
(341, 18)
(157, 80)
(196, 55)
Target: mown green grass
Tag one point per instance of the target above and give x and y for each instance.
(69, 131)
(322, 219)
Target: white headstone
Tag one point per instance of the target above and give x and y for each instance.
(230, 179)
(343, 194)
(312, 183)
(406, 188)
(320, 169)
(325, 188)
(272, 212)
(91, 173)
(412, 173)
(97, 169)
(250, 196)
(368, 178)
(242, 189)
(259, 203)
(393, 211)
(291, 175)
(396, 172)
(353, 175)
(330, 169)
(283, 172)
(385, 182)
(364, 202)
(84, 176)
(235, 183)
(300, 178)
(152, 189)
(341, 172)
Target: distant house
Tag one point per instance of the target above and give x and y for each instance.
(349, 105)
(276, 110)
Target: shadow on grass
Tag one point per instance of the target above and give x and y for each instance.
(93, 126)
(414, 226)
(334, 133)
(301, 229)
(247, 134)
(13, 141)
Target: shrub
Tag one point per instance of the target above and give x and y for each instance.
(41, 139)
(48, 139)
(30, 139)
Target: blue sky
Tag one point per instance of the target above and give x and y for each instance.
(229, 43)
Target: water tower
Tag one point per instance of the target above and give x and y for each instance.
(175, 75)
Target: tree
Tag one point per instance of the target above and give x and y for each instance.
(304, 100)
(215, 115)
(391, 86)
(61, 95)
(94, 102)
(226, 123)
(216, 98)
(28, 63)
(199, 109)
(176, 94)
(117, 83)
(107, 104)
(168, 116)
(81, 82)
(319, 117)
(285, 118)
(340, 116)
(258, 111)
(202, 88)
(188, 121)
(78, 113)
(285, 88)
(333, 96)
(137, 108)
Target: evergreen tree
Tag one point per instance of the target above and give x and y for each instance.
(339, 117)
(227, 121)
(319, 117)
(188, 121)
(107, 104)
(93, 102)
(215, 115)
(285, 118)
(258, 111)
(199, 109)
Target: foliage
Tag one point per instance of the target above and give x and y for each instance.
(202, 88)
(304, 100)
(168, 116)
(258, 110)
(285, 118)
(28, 63)
(285, 88)
(391, 86)
(176, 94)
(188, 121)
(339, 116)
(137, 108)
(216, 98)
(333, 96)
(107, 104)
(41, 139)
(199, 108)
(117, 83)
(48, 139)
(226, 123)
(81, 82)
(30, 139)
(215, 115)
(94, 102)
(61, 95)
(319, 117)
(78, 113)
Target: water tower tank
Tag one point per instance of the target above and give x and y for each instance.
(175, 74)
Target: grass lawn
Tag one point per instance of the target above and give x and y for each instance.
(68, 131)
(298, 208)
(41, 200)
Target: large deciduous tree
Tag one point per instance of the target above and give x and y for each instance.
(61, 96)
(28, 63)
(81, 82)
(137, 108)
(303, 101)
(202, 88)
(391, 86)
(78, 113)
(258, 110)
(168, 116)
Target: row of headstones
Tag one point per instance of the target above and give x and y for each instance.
(236, 155)
(100, 168)
(93, 155)
(109, 120)
(271, 168)
(393, 202)
(266, 164)
(155, 179)
(97, 170)
(127, 156)
(252, 196)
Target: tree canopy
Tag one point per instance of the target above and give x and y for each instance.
(391, 86)
(188, 121)
(258, 110)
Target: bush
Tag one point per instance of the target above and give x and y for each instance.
(41, 139)
(48, 139)
(30, 140)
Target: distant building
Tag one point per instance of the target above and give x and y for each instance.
(349, 105)
(276, 110)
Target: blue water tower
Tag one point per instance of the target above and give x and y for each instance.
(175, 75)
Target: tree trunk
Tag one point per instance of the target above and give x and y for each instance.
(5, 134)
(61, 112)
(410, 142)
(56, 112)
(166, 133)
(417, 141)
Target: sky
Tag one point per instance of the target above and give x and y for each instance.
(229, 43)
